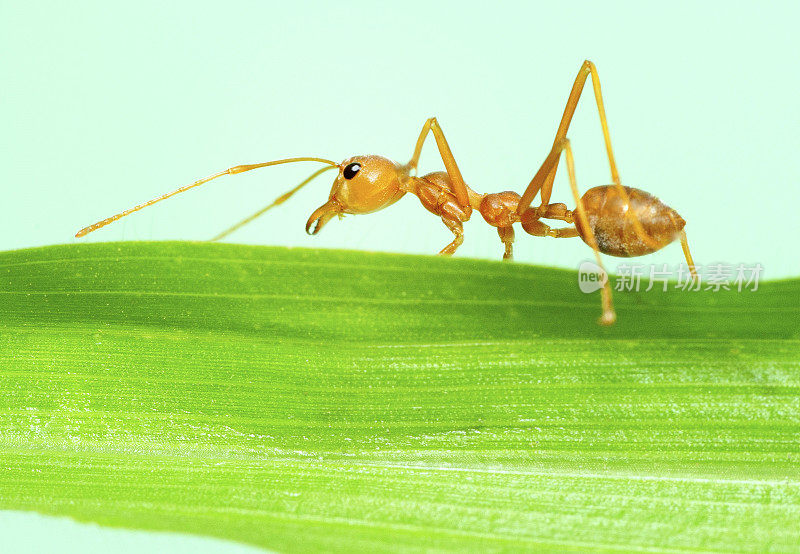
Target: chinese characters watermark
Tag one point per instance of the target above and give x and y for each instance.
(646, 277)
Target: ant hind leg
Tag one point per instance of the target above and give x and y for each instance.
(688, 255)
(563, 233)
(609, 315)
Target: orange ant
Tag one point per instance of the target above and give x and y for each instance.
(613, 219)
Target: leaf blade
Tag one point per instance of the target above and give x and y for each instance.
(301, 399)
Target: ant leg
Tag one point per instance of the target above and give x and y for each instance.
(533, 226)
(279, 200)
(507, 237)
(543, 180)
(435, 196)
(609, 316)
(555, 211)
(457, 228)
(457, 181)
(536, 228)
(687, 254)
(565, 233)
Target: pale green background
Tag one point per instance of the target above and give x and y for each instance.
(107, 104)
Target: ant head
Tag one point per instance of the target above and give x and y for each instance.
(365, 184)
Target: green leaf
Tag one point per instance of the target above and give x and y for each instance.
(327, 400)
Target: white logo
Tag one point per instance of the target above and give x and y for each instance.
(591, 277)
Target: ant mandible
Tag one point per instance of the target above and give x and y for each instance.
(612, 219)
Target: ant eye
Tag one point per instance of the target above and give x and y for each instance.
(351, 170)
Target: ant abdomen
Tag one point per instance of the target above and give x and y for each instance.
(615, 230)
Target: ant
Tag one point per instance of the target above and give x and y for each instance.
(612, 219)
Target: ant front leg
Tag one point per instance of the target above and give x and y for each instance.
(435, 195)
(458, 230)
(456, 183)
(444, 193)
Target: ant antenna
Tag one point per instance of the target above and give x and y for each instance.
(230, 171)
(279, 200)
